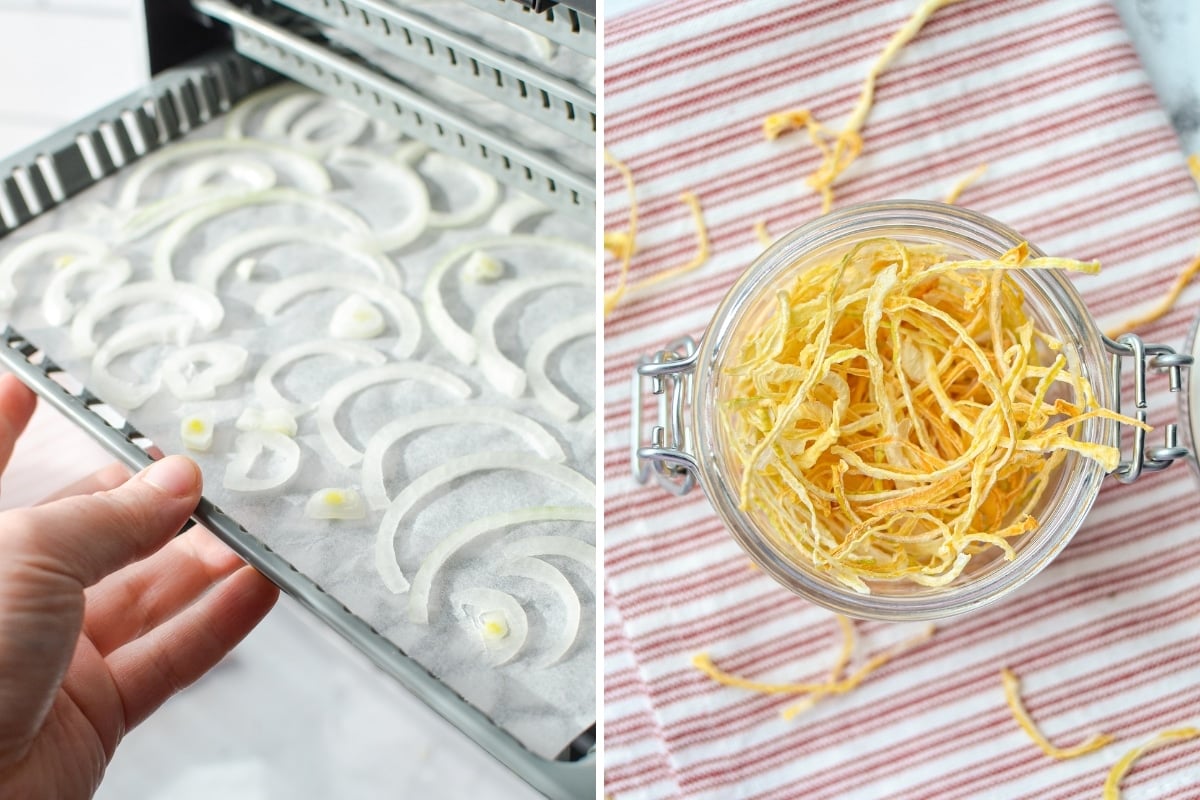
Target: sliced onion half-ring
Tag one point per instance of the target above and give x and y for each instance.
(422, 584)
(538, 438)
(334, 397)
(425, 484)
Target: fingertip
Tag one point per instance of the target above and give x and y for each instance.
(176, 476)
(16, 399)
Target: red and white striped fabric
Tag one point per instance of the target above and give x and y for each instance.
(1082, 161)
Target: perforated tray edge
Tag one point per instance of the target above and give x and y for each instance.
(536, 93)
(321, 68)
(571, 27)
(162, 111)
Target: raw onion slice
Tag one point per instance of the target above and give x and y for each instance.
(488, 604)
(251, 172)
(187, 380)
(335, 503)
(211, 267)
(422, 584)
(264, 387)
(280, 117)
(402, 310)
(536, 570)
(346, 453)
(308, 172)
(247, 448)
(279, 420)
(66, 246)
(410, 152)
(57, 305)
(500, 372)
(551, 398)
(342, 127)
(456, 339)
(425, 484)
(356, 317)
(515, 210)
(203, 306)
(196, 432)
(487, 191)
(235, 120)
(171, 329)
(406, 182)
(537, 437)
(177, 231)
(482, 268)
(565, 546)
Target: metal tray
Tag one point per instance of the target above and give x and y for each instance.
(315, 63)
(64, 164)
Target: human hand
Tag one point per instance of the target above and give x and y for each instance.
(105, 613)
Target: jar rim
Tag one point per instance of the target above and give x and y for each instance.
(938, 223)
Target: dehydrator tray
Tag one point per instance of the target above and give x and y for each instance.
(524, 712)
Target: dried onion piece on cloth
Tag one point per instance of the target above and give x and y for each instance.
(896, 414)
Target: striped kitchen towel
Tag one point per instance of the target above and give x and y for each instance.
(1084, 163)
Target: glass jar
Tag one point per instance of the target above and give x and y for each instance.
(686, 447)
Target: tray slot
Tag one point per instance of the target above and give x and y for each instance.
(561, 24)
(64, 164)
(541, 96)
(434, 124)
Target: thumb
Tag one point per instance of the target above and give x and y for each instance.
(49, 554)
(83, 538)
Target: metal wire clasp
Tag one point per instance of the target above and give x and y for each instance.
(669, 457)
(1146, 357)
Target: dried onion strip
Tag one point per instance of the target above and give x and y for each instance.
(1112, 784)
(487, 191)
(565, 546)
(337, 395)
(428, 482)
(877, 437)
(408, 183)
(422, 583)
(1012, 696)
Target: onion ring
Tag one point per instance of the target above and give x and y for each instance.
(120, 393)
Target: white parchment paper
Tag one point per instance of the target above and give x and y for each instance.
(544, 707)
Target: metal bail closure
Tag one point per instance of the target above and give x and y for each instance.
(669, 455)
(1146, 357)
